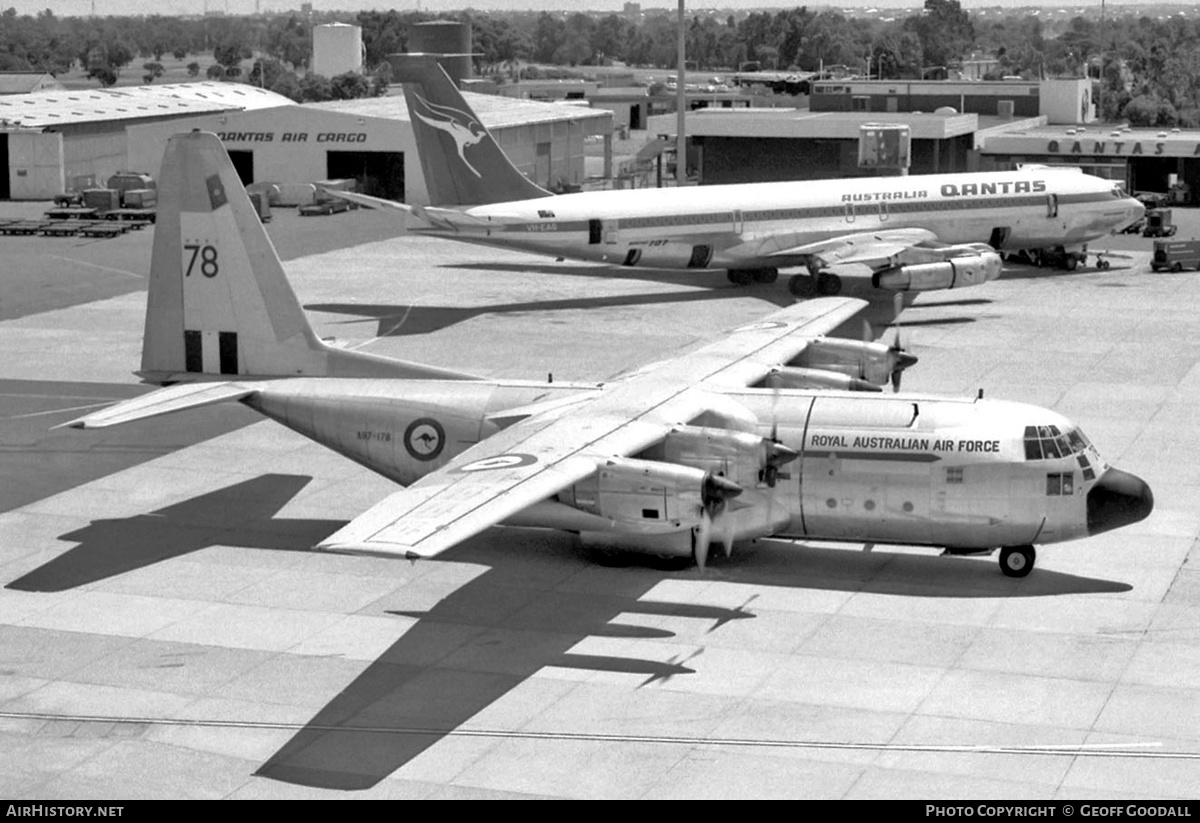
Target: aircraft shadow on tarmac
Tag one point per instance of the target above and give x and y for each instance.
(401, 320)
(1020, 271)
(706, 278)
(401, 705)
(488, 636)
(239, 515)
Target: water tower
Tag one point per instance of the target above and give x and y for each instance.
(337, 49)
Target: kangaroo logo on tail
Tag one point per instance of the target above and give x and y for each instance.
(462, 127)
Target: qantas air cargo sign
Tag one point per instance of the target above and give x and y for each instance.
(292, 137)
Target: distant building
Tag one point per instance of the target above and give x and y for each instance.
(979, 68)
(1062, 101)
(632, 9)
(27, 82)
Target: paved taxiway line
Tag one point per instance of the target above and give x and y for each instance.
(1131, 749)
(87, 265)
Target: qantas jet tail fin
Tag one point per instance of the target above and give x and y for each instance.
(462, 162)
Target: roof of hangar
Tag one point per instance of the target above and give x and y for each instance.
(493, 111)
(40, 110)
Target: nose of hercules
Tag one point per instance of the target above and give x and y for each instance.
(1118, 499)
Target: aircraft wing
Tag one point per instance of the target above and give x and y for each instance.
(510, 471)
(862, 247)
(745, 355)
(559, 445)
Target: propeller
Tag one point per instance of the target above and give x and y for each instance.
(900, 359)
(714, 494)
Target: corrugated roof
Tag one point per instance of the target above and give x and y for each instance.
(54, 108)
(493, 111)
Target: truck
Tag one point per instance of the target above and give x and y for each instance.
(1175, 255)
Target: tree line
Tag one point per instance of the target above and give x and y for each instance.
(1149, 74)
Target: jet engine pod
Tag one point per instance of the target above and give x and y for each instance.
(958, 272)
(649, 497)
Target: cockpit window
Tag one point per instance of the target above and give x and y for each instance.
(1118, 192)
(1048, 443)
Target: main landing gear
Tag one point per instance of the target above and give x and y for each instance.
(744, 277)
(1017, 561)
(810, 285)
(1059, 258)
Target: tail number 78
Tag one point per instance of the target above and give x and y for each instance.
(204, 256)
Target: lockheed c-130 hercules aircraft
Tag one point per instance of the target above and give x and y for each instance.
(740, 439)
(916, 233)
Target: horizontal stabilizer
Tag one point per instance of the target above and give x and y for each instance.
(462, 221)
(367, 200)
(163, 401)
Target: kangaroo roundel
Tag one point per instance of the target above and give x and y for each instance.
(424, 438)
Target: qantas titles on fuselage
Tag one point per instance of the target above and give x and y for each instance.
(953, 190)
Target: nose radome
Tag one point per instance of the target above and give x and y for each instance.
(1118, 499)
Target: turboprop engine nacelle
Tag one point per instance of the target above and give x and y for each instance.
(955, 273)
(650, 497)
(735, 455)
(871, 362)
(786, 377)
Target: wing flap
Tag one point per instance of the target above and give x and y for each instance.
(163, 401)
(491, 481)
(861, 246)
(424, 520)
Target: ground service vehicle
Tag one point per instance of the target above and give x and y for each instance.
(1159, 224)
(1175, 255)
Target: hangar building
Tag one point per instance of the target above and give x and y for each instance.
(50, 138)
(371, 139)
(1144, 159)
